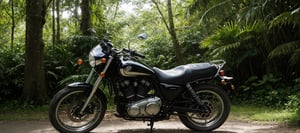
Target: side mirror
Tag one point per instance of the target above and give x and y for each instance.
(142, 36)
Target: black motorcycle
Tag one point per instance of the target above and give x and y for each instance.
(196, 93)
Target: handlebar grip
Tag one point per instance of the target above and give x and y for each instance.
(126, 50)
(133, 53)
(137, 54)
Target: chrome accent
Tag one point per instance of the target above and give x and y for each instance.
(127, 73)
(219, 64)
(144, 107)
(226, 77)
(95, 87)
(90, 76)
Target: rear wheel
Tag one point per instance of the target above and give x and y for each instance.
(65, 107)
(216, 108)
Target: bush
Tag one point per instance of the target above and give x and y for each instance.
(61, 61)
(293, 102)
(268, 91)
(11, 73)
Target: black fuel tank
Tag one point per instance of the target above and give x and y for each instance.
(130, 68)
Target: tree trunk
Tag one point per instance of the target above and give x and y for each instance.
(85, 23)
(57, 21)
(13, 25)
(176, 44)
(34, 88)
(53, 23)
(76, 16)
(171, 29)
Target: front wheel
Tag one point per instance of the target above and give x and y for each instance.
(65, 107)
(216, 106)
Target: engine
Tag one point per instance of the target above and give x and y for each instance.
(144, 107)
(137, 98)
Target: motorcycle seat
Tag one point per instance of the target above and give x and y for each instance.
(186, 73)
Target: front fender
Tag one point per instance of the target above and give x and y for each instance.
(80, 85)
(88, 88)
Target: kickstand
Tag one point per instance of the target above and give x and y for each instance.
(151, 125)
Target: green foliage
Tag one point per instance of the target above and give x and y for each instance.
(11, 73)
(159, 52)
(293, 102)
(61, 61)
(291, 44)
(268, 91)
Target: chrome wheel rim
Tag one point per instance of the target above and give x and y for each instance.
(215, 106)
(67, 112)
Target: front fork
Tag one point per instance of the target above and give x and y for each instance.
(96, 84)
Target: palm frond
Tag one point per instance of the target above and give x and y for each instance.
(284, 49)
(216, 7)
(195, 5)
(220, 50)
(288, 17)
(224, 35)
(295, 59)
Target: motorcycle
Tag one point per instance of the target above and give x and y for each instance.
(196, 93)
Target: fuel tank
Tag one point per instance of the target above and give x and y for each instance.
(131, 68)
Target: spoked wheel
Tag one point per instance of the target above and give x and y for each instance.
(65, 107)
(216, 107)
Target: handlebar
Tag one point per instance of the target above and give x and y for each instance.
(133, 53)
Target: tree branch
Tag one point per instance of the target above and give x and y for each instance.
(163, 18)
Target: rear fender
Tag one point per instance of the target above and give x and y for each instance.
(226, 84)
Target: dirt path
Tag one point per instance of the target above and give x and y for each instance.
(121, 126)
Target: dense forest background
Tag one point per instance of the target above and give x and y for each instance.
(41, 40)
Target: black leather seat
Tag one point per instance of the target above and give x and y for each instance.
(186, 73)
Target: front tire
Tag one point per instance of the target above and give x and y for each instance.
(65, 106)
(218, 105)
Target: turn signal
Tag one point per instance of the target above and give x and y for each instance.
(103, 60)
(79, 61)
(223, 82)
(102, 74)
(232, 87)
(222, 72)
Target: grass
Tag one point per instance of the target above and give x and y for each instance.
(263, 114)
(14, 111)
(238, 112)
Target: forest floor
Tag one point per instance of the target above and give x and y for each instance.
(111, 124)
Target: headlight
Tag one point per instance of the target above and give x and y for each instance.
(92, 60)
(96, 55)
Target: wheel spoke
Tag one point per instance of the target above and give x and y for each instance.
(213, 102)
(69, 108)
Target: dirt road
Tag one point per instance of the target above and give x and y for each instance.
(122, 126)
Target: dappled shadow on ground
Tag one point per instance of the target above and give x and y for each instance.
(164, 131)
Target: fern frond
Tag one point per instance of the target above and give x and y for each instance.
(283, 49)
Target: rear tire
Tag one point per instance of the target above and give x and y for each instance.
(218, 103)
(65, 106)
